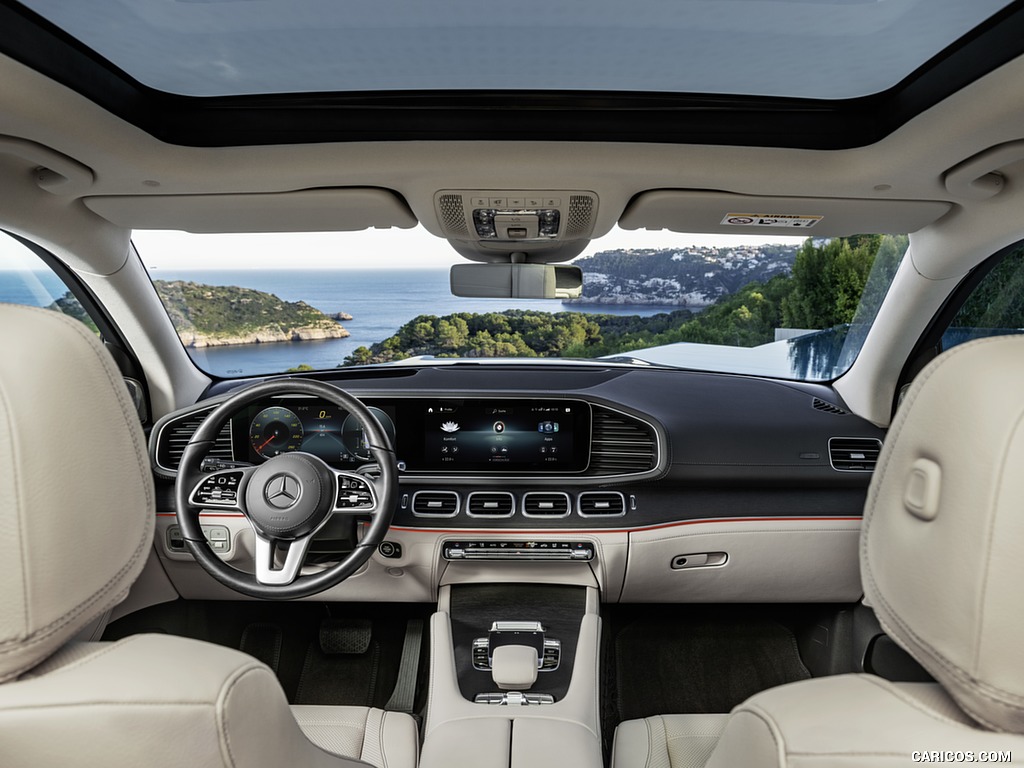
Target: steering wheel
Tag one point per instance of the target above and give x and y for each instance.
(286, 500)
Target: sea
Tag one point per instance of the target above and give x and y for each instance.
(380, 302)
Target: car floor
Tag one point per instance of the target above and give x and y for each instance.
(343, 654)
(657, 659)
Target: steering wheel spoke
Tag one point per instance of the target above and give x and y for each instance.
(270, 551)
(222, 490)
(356, 495)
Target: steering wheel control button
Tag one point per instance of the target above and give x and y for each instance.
(219, 490)
(354, 494)
(290, 496)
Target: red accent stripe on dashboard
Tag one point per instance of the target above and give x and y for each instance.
(531, 531)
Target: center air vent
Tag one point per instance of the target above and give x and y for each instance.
(491, 504)
(553, 504)
(621, 444)
(854, 454)
(601, 504)
(435, 503)
(174, 436)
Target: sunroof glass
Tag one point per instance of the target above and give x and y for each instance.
(821, 49)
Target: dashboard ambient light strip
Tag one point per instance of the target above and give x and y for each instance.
(640, 529)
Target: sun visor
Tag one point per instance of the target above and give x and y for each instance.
(681, 210)
(309, 210)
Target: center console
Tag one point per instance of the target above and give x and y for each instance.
(514, 673)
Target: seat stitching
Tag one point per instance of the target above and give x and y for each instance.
(222, 720)
(21, 520)
(382, 741)
(886, 686)
(773, 730)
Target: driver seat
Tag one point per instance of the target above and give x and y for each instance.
(76, 527)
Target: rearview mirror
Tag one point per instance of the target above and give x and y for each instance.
(516, 281)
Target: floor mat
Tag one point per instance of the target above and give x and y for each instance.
(291, 639)
(334, 678)
(263, 641)
(683, 667)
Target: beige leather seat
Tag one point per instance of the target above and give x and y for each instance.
(942, 565)
(76, 526)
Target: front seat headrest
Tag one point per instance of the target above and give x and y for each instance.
(942, 550)
(76, 491)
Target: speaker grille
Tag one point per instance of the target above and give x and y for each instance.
(581, 208)
(453, 216)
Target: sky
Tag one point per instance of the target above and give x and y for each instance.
(392, 248)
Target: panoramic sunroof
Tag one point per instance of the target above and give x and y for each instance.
(816, 49)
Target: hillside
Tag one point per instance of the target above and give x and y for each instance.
(694, 277)
(207, 315)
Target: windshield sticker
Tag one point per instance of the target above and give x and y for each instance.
(770, 220)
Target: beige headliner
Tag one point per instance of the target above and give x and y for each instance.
(121, 161)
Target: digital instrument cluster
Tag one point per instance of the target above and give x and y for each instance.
(449, 435)
(324, 430)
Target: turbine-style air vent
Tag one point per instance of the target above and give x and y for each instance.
(621, 444)
(174, 436)
(853, 454)
(453, 217)
(435, 503)
(544, 504)
(491, 504)
(601, 504)
(822, 405)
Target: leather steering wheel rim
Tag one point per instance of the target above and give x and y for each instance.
(190, 474)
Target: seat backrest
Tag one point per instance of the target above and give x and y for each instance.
(943, 535)
(76, 491)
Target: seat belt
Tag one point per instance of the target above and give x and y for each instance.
(403, 696)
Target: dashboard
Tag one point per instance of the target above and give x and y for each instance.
(664, 485)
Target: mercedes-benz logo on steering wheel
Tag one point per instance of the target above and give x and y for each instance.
(283, 491)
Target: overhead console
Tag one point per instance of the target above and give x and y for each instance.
(545, 225)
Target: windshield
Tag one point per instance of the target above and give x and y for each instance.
(785, 307)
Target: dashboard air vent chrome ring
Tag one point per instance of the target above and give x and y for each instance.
(546, 504)
(601, 504)
(490, 504)
(435, 504)
(854, 454)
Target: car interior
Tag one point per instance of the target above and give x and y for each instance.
(678, 553)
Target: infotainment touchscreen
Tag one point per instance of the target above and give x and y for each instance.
(504, 436)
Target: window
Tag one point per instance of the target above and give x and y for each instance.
(25, 279)
(995, 306)
(789, 307)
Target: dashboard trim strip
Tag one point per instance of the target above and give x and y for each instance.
(595, 531)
